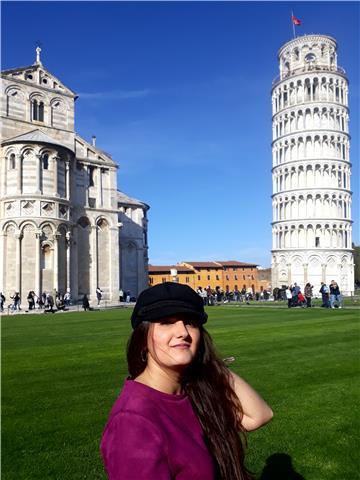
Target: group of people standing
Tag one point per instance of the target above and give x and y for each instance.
(331, 296)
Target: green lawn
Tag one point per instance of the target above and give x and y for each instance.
(61, 373)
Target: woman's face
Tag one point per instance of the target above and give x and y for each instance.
(173, 341)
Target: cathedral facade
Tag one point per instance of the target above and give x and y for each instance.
(312, 221)
(64, 226)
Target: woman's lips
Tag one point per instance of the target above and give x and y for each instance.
(183, 346)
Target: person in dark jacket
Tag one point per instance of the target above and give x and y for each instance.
(335, 295)
(85, 303)
(324, 290)
(308, 293)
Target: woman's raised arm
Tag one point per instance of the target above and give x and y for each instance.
(256, 412)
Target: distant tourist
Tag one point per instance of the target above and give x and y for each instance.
(335, 295)
(85, 303)
(98, 295)
(289, 296)
(67, 298)
(324, 290)
(49, 304)
(308, 293)
(16, 301)
(2, 301)
(121, 295)
(31, 300)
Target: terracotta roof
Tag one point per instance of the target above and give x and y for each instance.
(203, 264)
(167, 268)
(235, 263)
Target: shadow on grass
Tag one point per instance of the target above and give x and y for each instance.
(279, 467)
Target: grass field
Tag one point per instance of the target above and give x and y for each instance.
(61, 374)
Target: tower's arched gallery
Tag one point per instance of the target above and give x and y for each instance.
(311, 167)
(63, 223)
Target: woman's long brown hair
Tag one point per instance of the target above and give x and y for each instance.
(207, 383)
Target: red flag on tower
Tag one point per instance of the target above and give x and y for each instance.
(295, 20)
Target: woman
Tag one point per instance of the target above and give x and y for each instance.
(308, 292)
(181, 414)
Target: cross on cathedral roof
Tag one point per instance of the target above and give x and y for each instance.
(38, 61)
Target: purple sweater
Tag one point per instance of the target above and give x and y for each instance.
(152, 435)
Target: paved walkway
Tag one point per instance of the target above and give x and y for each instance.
(104, 305)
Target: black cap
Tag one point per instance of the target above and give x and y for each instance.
(166, 299)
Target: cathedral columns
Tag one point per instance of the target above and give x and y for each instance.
(2, 256)
(37, 262)
(3, 176)
(19, 173)
(38, 174)
(56, 262)
(94, 261)
(67, 179)
(100, 193)
(68, 243)
(18, 236)
(114, 261)
(55, 169)
(74, 264)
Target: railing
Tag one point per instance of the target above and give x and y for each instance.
(306, 69)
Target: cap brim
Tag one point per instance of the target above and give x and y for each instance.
(159, 310)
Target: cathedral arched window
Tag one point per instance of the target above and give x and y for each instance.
(45, 161)
(37, 110)
(12, 161)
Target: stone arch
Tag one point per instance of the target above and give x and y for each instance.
(62, 246)
(315, 271)
(10, 247)
(58, 112)
(28, 260)
(15, 102)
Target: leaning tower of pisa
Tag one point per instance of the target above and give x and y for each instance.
(311, 171)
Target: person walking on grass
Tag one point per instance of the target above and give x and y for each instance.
(182, 414)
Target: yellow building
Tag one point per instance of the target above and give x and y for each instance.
(228, 275)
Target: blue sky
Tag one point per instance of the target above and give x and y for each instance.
(179, 94)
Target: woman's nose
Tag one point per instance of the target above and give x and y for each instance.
(181, 330)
